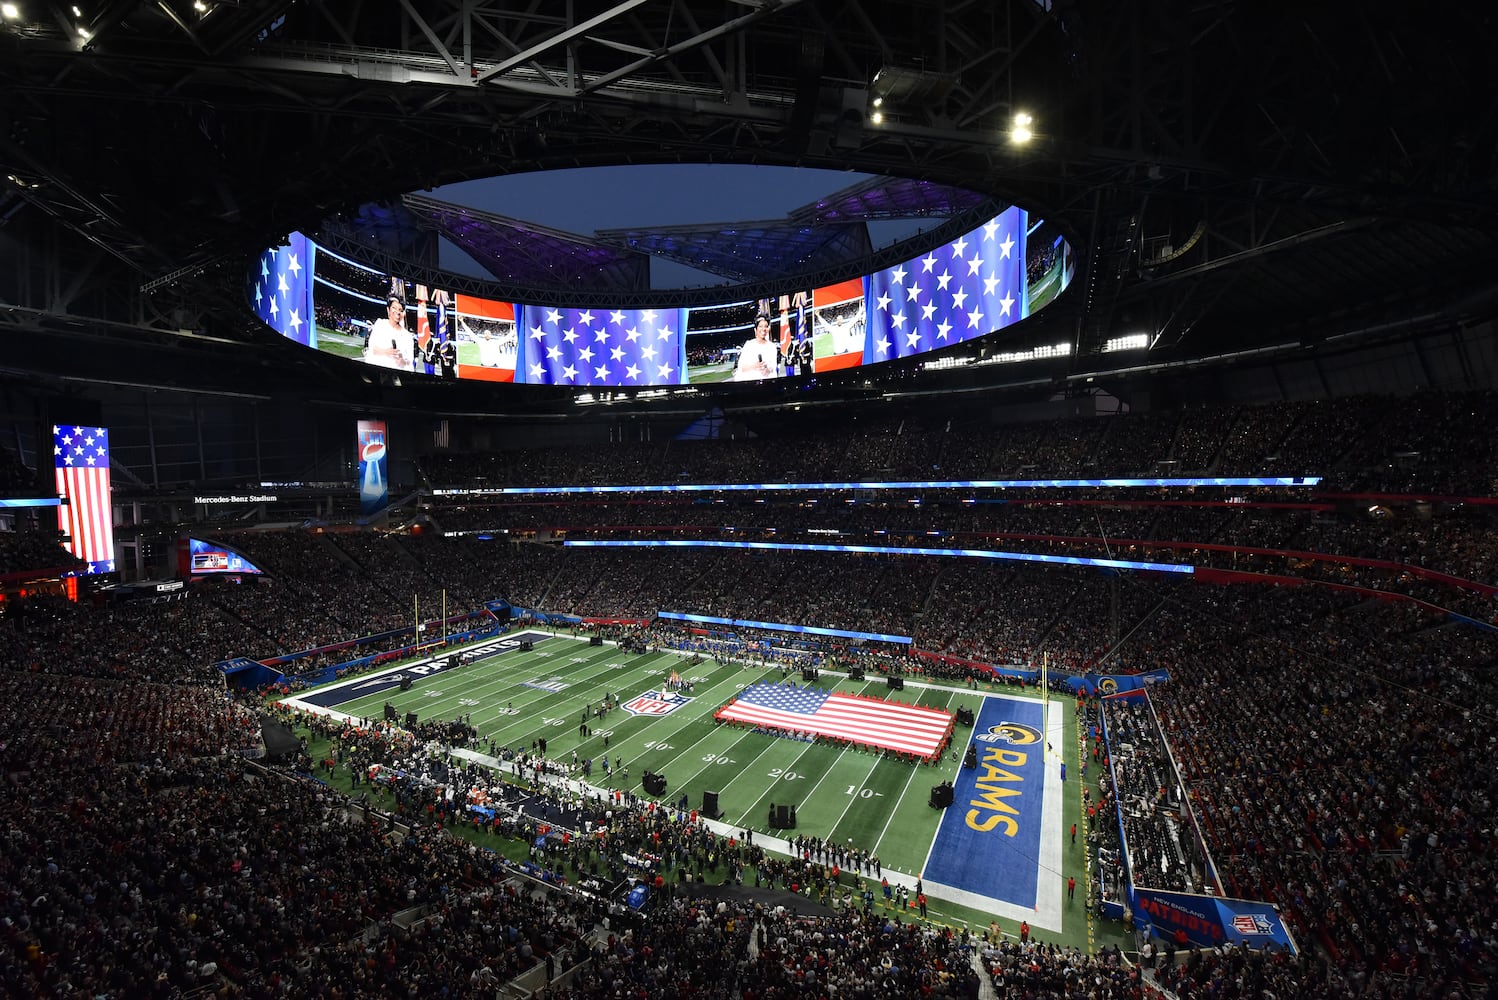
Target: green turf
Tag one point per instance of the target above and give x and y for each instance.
(1047, 288)
(342, 344)
(878, 803)
(722, 372)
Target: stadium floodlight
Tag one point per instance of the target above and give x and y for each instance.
(1020, 131)
(9, 11)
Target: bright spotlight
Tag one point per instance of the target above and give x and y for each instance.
(877, 118)
(9, 11)
(1020, 132)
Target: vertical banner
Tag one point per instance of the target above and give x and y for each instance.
(374, 490)
(81, 460)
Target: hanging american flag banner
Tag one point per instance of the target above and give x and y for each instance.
(809, 711)
(81, 458)
(967, 288)
(601, 347)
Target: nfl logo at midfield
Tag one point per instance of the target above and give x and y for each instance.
(654, 703)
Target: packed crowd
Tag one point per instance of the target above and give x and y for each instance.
(1430, 442)
(1322, 739)
(314, 597)
(21, 551)
(1163, 848)
(1358, 787)
(1455, 542)
(1333, 751)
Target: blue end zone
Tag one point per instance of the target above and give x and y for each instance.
(332, 697)
(989, 839)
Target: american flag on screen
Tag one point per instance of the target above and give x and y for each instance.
(970, 287)
(601, 346)
(283, 290)
(81, 458)
(869, 721)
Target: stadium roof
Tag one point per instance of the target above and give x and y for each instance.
(1238, 177)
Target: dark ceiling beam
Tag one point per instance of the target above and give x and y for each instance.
(560, 38)
(107, 20)
(431, 36)
(711, 57)
(182, 26)
(1261, 251)
(762, 9)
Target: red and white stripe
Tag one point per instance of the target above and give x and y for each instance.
(88, 516)
(889, 725)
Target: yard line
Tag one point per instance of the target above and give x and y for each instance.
(726, 785)
(903, 792)
(690, 720)
(833, 828)
(771, 786)
(589, 696)
(893, 811)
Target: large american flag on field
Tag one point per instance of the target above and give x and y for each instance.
(868, 721)
(967, 288)
(601, 346)
(81, 458)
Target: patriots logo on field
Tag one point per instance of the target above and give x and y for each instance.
(1016, 733)
(655, 703)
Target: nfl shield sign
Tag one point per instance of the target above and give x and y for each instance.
(652, 703)
(1254, 923)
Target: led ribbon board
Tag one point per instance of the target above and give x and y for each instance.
(990, 277)
(783, 627)
(883, 550)
(935, 484)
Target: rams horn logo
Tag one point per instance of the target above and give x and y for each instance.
(1014, 733)
(1108, 685)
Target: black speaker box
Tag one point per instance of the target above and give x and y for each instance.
(526, 646)
(895, 683)
(855, 673)
(710, 805)
(808, 674)
(406, 683)
(655, 784)
(941, 796)
(452, 661)
(782, 819)
(596, 640)
(965, 716)
(410, 720)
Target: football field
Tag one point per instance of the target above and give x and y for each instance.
(997, 851)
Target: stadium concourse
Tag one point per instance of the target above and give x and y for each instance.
(1328, 716)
